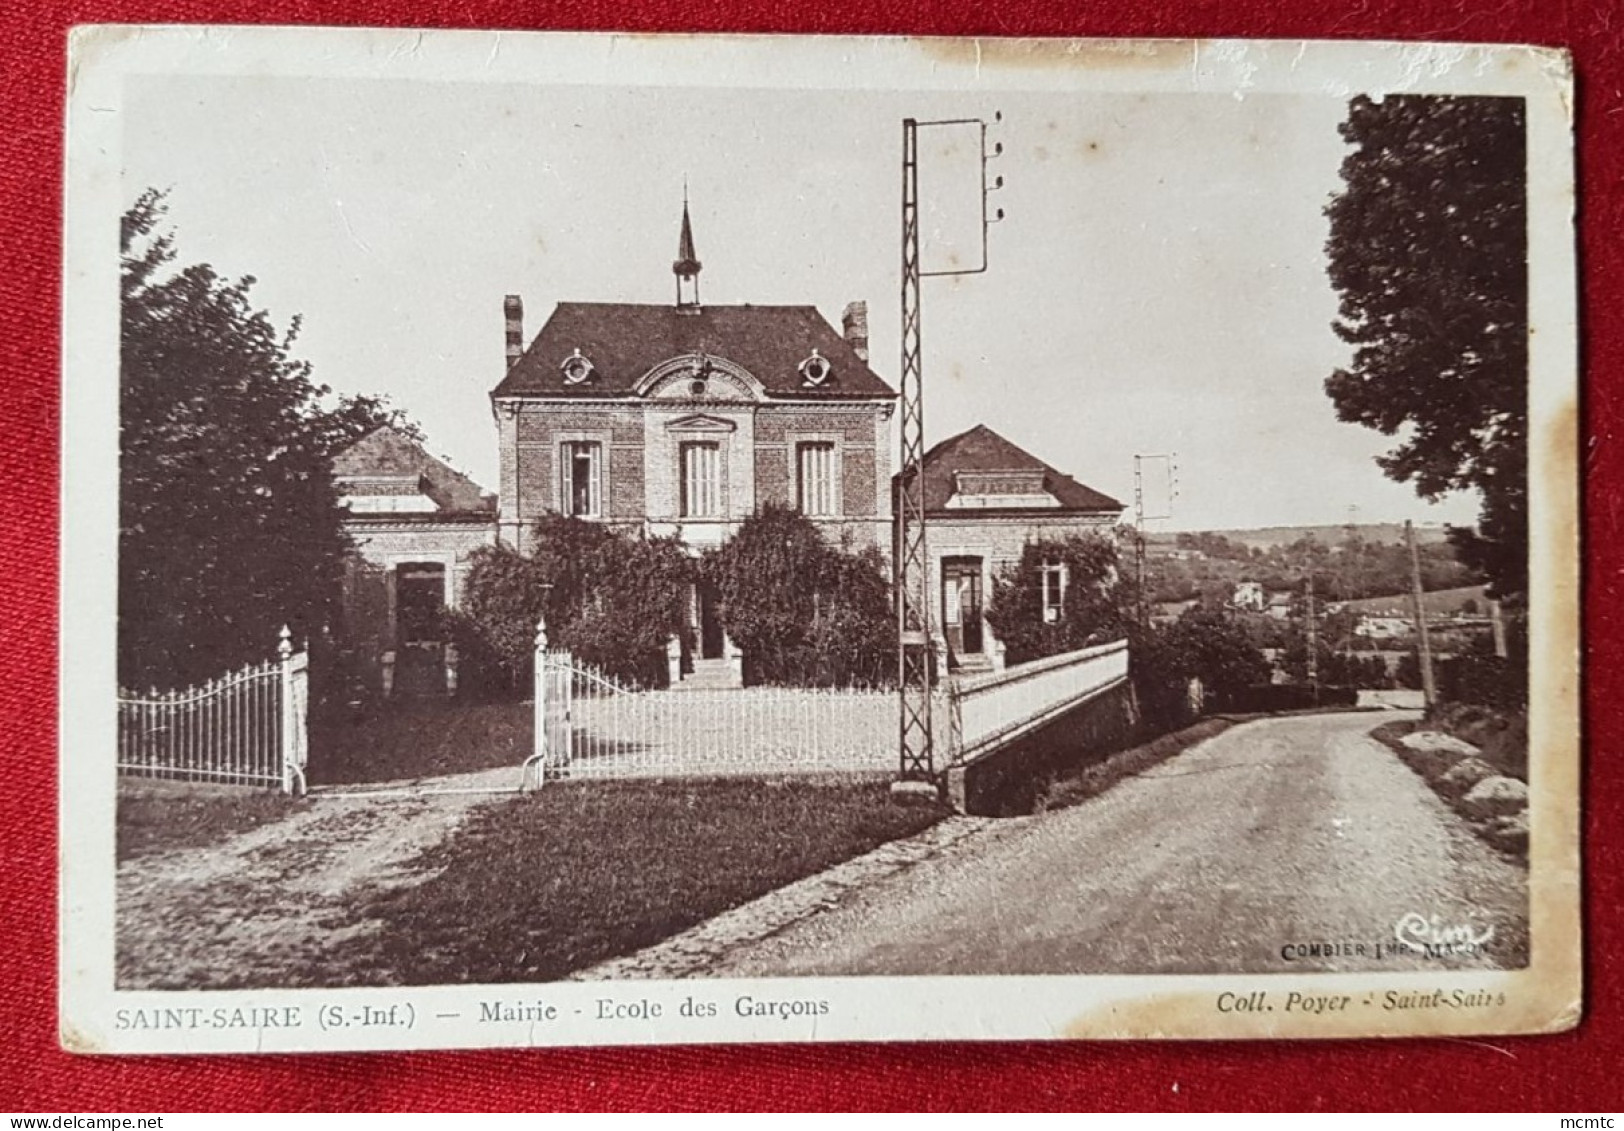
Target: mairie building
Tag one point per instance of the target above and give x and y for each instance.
(683, 419)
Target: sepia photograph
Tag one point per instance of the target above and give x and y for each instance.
(586, 540)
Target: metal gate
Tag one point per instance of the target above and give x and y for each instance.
(588, 725)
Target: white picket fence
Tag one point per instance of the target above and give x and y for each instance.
(246, 728)
(590, 726)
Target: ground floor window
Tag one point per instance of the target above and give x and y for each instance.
(1054, 591)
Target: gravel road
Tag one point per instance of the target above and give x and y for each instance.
(1273, 836)
(275, 906)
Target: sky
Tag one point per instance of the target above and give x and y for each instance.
(1157, 285)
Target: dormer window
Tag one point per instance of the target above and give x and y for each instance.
(815, 370)
(576, 368)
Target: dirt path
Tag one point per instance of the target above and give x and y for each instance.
(1276, 834)
(275, 906)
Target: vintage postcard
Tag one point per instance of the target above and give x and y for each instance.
(609, 539)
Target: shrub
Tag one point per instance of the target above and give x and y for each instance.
(501, 603)
(1207, 644)
(1096, 605)
(1488, 681)
(805, 612)
(614, 603)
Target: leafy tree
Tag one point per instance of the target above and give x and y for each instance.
(228, 522)
(1098, 600)
(355, 415)
(1428, 249)
(1212, 645)
(804, 611)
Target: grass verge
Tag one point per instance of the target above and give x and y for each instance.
(162, 816)
(579, 872)
(1451, 777)
(1094, 780)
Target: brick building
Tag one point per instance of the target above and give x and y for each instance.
(414, 521)
(684, 419)
(985, 498)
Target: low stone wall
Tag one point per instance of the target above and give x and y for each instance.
(1007, 782)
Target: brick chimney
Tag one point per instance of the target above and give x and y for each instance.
(513, 311)
(854, 325)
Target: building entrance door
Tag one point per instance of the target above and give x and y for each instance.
(961, 605)
(420, 599)
(710, 625)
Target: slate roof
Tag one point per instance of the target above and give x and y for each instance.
(386, 453)
(982, 449)
(625, 340)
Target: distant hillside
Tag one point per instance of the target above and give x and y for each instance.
(1209, 564)
(1269, 537)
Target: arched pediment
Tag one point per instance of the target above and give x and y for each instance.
(700, 376)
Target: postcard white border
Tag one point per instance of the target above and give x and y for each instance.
(1544, 997)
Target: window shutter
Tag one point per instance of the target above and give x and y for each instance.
(595, 453)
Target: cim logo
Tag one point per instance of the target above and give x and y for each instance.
(1431, 936)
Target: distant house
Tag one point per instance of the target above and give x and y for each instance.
(414, 521)
(1384, 627)
(1279, 605)
(985, 499)
(1249, 595)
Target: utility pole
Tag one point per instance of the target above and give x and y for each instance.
(1429, 690)
(1313, 638)
(1139, 540)
(912, 572)
(1141, 515)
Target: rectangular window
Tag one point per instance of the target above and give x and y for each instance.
(1054, 591)
(701, 480)
(583, 479)
(815, 478)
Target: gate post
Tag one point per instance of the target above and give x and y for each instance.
(538, 757)
(295, 688)
(673, 661)
(952, 709)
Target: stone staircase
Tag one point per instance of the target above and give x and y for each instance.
(976, 664)
(709, 675)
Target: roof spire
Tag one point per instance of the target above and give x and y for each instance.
(687, 265)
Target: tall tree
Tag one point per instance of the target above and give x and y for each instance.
(228, 522)
(1429, 251)
(355, 415)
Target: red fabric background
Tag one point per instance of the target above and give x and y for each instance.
(1578, 1071)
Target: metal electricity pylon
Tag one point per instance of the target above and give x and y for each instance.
(912, 567)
